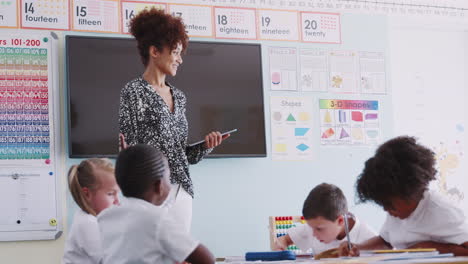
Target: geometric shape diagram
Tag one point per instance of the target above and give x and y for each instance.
(282, 132)
(328, 133)
(372, 133)
(277, 116)
(291, 118)
(300, 131)
(371, 116)
(342, 116)
(302, 147)
(327, 118)
(357, 134)
(280, 148)
(343, 133)
(304, 116)
(356, 116)
(276, 78)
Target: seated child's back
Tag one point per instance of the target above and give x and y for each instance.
(325, 210)
(140, 230)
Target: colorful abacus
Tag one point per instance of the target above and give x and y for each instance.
(279, 226)
(294, 248)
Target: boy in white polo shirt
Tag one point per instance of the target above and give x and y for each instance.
(397, 178)
(141, 230)
(324, 211)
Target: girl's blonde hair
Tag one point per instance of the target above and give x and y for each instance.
(84, 175)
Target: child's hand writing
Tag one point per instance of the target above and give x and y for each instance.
(343, 250)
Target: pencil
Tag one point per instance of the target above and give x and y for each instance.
(404, 250)
(345, 216)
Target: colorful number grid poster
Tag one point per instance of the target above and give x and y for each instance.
(291, 128)
(24, 99)
(349, 122)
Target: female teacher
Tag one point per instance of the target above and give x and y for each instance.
(152, 111)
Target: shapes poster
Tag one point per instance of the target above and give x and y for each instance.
(349, 122)
(291, 127)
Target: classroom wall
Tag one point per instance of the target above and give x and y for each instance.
(235, 196)
(430, 89)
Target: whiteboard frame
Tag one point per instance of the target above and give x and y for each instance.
(55, 105)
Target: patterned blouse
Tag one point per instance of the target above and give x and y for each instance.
(144, 118)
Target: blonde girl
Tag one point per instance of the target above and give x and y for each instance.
(93, 187)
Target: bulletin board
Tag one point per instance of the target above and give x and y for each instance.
(28, 136)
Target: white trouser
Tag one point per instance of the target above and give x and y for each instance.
(181, 206)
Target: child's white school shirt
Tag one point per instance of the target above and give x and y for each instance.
(83, 243)
(140, 232)
(303, 237)
(434, 219)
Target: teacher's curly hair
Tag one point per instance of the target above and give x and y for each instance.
(153, 27)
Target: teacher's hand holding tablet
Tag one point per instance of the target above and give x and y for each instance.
(214, 139)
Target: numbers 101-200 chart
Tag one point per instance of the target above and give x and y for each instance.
(24, 99)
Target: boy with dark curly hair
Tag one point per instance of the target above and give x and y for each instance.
(397, 178)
